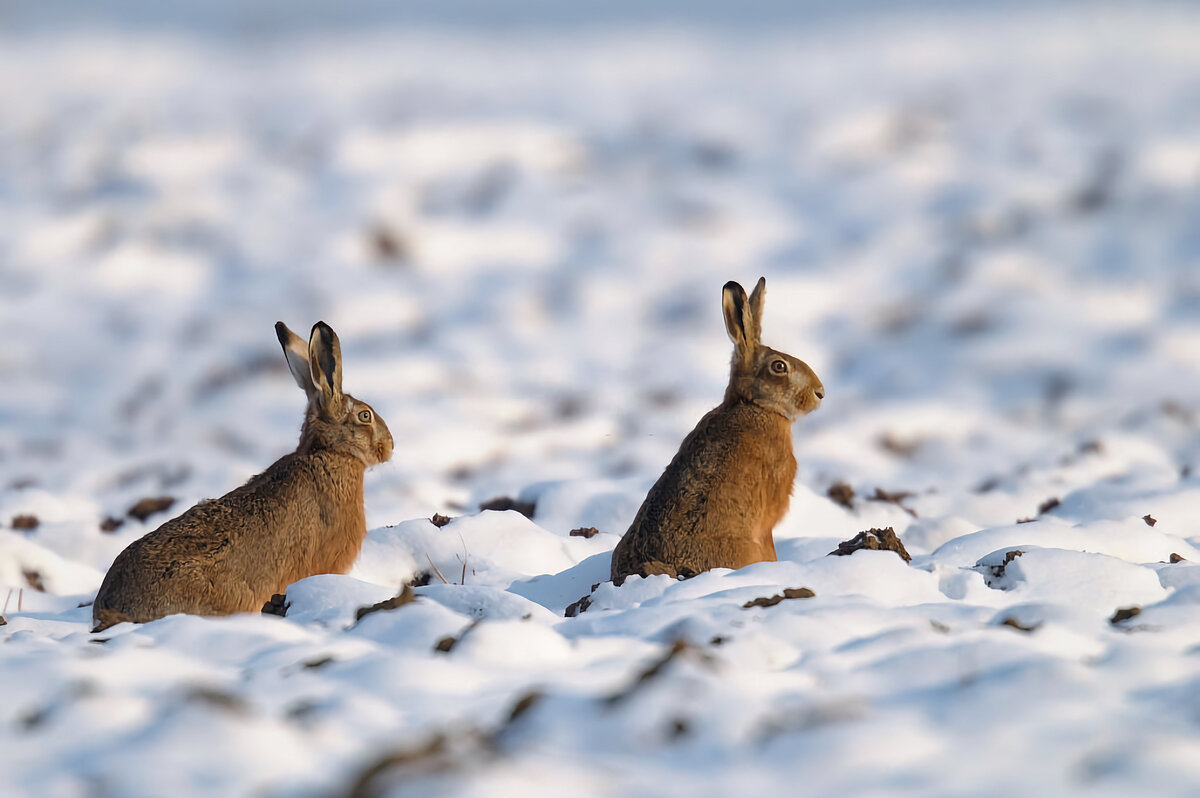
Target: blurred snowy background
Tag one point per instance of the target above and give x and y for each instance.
(979, 223)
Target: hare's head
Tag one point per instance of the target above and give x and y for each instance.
(334, 421)
(760, 374)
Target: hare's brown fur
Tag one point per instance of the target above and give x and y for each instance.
(302, 516)
(718, 501)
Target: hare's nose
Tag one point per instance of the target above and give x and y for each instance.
(820, 393)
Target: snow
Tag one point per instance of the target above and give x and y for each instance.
(978, 228)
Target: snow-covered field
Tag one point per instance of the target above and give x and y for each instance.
(983, 233)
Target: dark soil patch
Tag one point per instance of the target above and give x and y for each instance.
(386, 245)
(999, 570)
(875, 540)
(524, 704)
(219, 699)
(897, 498)
(3, 621)
(439, 520)
(1048, 505)
(278, 605)
(904, 449)
(584, 532)
(446, 644)
(1020, 627)
(788, 593)
(147, 507)
(34, 580)
(420, 579)
(406, 596)
(678, 649)
(318, 662)
(501, 503)
(25, 522)
(110, 524)
(576, 607)
(1149, 519)
(841, 493)
(1124, 614)
(1177, 558)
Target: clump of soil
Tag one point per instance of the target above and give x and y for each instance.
(446, 644)
(1124, 614)
(406, 596)
(420, 579)
(896, 497)
(3, 621)
(508, 503)
(34, 580)
(584, 532)
(841, 493)
(1009, 556)
(574, 608)
(439, 520)
(875, 540)
(1177, 558)
(1048, 505)
(278, 605)
(581, 605)
(678, 649)
(1149, 519)
(147, 507)
(110, 524)
(25, 521)
(1020, 627)
(788, 593)
(318, 662)
(386, 245)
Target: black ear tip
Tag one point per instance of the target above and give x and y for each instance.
(281, 332)
(734, 286)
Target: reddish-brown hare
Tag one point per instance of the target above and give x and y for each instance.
(730, 482)
(302, 516)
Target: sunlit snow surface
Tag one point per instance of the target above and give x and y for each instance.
(983, 234)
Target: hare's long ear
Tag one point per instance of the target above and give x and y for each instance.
(296, 352)
(754, 322)
(738, 322)
(325, 367)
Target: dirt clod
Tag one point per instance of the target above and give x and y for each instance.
(508, 503)
(771, 601)
(876, 540)
(1177, 558)
(1149, 519)
(278, 605)
(439, 520)
(144, 508)
(111, 524)
(1124, 614)
(1015, 624)
(524, 704)
(584, 532)
(3, 621)
(896, 497)
(318, 662)
(576, 607)
(841, 493)
(1048, 505)
(420, 579)
(446, 644)
(25, 521)
(34, 580)
(406, 596)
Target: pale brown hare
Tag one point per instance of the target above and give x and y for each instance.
(300, 517)
(718, 501)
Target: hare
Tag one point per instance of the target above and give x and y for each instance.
(730, 482)
(300, 517)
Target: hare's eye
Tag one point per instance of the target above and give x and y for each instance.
(779, 366)
(364, 416)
